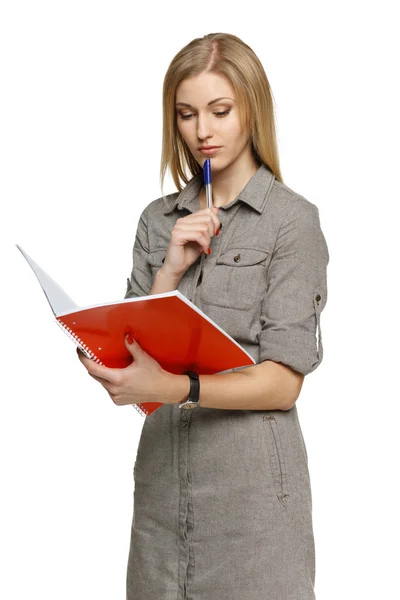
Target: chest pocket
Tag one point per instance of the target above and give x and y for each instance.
(237, 278)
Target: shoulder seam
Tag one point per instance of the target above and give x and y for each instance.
(293, 193)
(291, 209)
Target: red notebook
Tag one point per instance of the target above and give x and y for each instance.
(169, 327)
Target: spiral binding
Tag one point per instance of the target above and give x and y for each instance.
(87, 352)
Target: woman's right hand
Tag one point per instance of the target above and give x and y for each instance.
(190, 237)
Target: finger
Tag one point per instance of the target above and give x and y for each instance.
(213, 214)
(184, 236)
(185, 230)
(105, 373)
(111, 389)
(85, 360)
(189, 229)
(206, 215)
(104, 382)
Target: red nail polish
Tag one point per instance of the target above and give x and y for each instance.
(209, 251)
(129, 338)
(218, 230)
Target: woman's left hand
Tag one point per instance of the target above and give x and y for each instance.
(144, 380)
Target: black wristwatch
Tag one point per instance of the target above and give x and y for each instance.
(194, 394)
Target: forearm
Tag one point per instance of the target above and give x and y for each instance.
(164, 282)
(253, 388)
(266, 386)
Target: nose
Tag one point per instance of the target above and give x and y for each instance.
(204, 130)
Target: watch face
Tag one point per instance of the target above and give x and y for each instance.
(190, 405)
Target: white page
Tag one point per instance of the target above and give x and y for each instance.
(59, 301)
(61, 304)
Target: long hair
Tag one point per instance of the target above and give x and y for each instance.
(226, 55)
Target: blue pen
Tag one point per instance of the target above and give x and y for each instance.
(207, 181)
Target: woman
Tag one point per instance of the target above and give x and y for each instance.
(222, 500)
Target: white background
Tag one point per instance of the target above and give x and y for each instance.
(80, 152)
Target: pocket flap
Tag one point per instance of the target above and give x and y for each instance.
(242, 257)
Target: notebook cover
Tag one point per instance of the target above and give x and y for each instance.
(167, 328)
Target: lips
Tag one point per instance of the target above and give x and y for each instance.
(210, 150)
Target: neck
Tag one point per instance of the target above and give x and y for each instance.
(228, 183)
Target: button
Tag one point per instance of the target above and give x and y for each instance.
(318, 298)
(236, 258)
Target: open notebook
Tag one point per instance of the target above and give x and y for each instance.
(167, 326)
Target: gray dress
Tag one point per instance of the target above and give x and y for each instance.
(222, 498)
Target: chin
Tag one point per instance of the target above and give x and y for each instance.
(217, 163)
(220, 165)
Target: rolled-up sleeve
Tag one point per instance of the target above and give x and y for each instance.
(140, 281)
(296, 292)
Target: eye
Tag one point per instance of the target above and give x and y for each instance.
(220, 115)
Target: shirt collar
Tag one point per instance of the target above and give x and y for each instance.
(255, 193)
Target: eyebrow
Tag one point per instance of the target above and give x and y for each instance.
(209, 104)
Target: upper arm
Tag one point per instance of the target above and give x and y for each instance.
(296, 294)
(140, 281)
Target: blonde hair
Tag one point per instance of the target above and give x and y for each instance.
(226, 55)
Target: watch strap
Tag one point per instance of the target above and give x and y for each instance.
(194, 393)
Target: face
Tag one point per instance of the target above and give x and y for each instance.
(207, 115)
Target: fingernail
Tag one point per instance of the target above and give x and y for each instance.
(209, 251)
(129, 338)
(218, 230)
